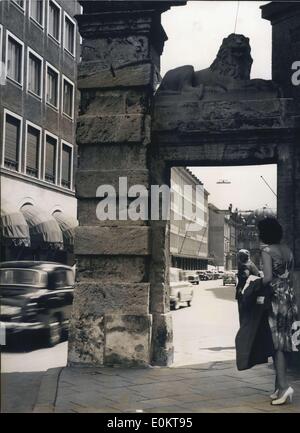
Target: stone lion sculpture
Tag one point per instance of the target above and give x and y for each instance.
(228, 74)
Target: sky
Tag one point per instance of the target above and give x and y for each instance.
(247, 191)
(195, 33)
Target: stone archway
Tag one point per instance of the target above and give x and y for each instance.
(121, 307)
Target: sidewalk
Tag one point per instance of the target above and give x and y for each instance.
(214, 387)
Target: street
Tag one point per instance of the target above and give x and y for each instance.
(203, 333)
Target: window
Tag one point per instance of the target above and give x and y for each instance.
(68, 97)
(50, 158)
(20, 3)
(37, 11)
(12, 140)
(1, 65)
(61, 278)
(52, 93)
(66, 165)
(34, 73)
(69, 35)
(14, 59)
(33, 141)
(22, 277)
(54, 20)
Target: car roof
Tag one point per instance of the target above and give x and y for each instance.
(46, 266)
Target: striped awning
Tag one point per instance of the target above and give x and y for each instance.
(67, 225)
(14, 228)
(44, 229)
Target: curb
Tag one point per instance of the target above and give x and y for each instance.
(46, 398)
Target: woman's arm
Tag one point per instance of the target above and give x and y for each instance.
(254, 270)
(267, 267)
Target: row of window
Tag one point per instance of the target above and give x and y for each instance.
(44, 152)
(38, 76)
(37, 10)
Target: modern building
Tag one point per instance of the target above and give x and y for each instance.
(39, 52)
(189, 221)
(222, 238)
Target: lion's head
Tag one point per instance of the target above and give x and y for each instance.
(234, 58)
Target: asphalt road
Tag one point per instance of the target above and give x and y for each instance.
(203, 332)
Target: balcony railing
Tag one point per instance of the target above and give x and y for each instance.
(32, 172)
(11, 164)
(50, 178)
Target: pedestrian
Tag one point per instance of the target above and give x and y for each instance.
(277, 262)
(245, 268)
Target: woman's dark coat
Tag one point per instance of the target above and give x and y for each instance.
(254, 339)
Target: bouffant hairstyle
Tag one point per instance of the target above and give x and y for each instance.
(270, 231)
(243, 256)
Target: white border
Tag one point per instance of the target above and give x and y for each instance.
(30, 92)
(38, 128)
(41, 26)
(58, 41)
(20, 7)
(9, 34)
(56, 108)
(62, 143)
(56, 157)
(62, 97)
(66, 15)
(16, 116)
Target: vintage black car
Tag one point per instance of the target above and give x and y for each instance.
(36, 296)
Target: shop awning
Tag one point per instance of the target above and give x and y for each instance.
(44, 229)
(14, 228)
(67, 225)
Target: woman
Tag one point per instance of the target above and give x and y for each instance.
(277, 261)
(245, 268)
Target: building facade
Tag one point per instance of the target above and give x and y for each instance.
(39, 51)
(222, 237)
(189, 221)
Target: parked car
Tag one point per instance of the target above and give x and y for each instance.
(210, 275)
(181, 290)
(202, 275)
(36, 296)
(192, 277)
(229, 277)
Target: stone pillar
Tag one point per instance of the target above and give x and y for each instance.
(122, 43)
(285, 19)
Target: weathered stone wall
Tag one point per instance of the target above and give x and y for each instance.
(285, 18)
(112, 319)
(121, 306)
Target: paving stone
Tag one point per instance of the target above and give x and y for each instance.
(173, 390)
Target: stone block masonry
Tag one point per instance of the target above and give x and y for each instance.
(112, 317)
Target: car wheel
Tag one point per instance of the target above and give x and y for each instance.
(189, 303)
(54, 331)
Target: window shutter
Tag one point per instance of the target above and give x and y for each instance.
(68, 98)
(66, 166)
(52, 90)
(32, 161)
(50, 159)
(14, 58)
(12, 139)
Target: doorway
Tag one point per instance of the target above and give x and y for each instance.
(207, 229)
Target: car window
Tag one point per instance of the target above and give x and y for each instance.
(23, 277)
(62, 278)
